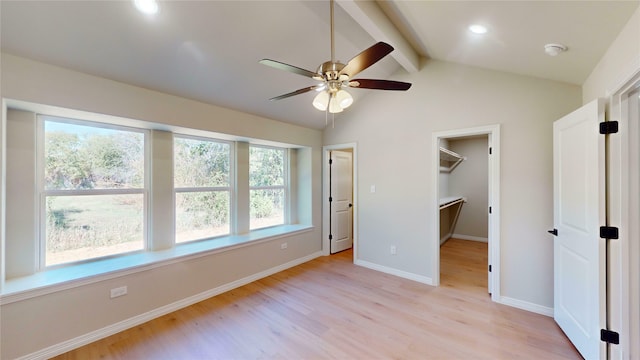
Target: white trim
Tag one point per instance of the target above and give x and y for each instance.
(395, 272)
(625, 78)
(493, 132)
(470, 238)
(109, 330)
(624, 208)
(3, 187)
(525, 305)
(326, 246)
(444, 239)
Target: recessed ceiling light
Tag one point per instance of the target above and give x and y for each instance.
(146, 6)
(478, 29)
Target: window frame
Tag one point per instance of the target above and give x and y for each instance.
(24, 279)
(43, 193)
(190, 189)
(286, 182)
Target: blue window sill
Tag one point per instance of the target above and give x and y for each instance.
(68, 277)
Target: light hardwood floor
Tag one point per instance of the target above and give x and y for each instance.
(329, 308)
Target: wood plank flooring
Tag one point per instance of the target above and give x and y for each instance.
(329, 308)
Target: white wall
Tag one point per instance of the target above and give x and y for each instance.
(619, 63)
(471, 180)
(394, 131)
(21, 126)
(39, 322)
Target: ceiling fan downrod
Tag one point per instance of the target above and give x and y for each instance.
(333, 48)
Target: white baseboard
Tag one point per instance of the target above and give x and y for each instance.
(469, 237)
(525, 305)
(396, 272)
(88, 338)
(445, 238)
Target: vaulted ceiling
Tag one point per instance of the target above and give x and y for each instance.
(209, 50)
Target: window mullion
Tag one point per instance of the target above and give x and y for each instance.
(75, 192)
(203, 189)
(272, 187)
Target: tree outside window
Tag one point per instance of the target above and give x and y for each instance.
(93, 190)
(202, 171)
(267, 186)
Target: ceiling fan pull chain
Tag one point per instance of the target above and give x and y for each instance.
(326, 116)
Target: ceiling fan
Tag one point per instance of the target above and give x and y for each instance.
(335, 76)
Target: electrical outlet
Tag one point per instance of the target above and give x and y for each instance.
(119, 291)
(283, 246)
(393, 249)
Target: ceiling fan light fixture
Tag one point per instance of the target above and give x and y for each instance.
(334, 105)
(335, 76)
(344, 98)
(321, 101)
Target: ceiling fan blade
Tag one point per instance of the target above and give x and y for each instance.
(297, 92)
(379, 84)
(289, 68)
(366, 58)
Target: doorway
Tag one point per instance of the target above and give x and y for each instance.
(339, 214)
(454, 203)
(464, 214)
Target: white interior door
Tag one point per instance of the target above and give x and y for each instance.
(341, 193)
(579, 210)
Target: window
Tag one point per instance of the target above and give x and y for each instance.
(93, 190)
(267, 186)
(202, 178)
(82, 200)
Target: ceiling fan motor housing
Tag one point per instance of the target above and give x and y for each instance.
(330, 70)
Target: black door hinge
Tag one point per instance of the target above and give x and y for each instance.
(330, 199)
(330, 237)
(330, 161)
(490, 209)
(608, 232)
(490, 151)
(608, 127)
(553, 232)
(609, 336)
(489, 268)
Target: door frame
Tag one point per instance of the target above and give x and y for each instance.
(623, 208)
(493, 132)
(326, 246)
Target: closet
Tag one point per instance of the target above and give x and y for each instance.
(450, 205)
(463, 192)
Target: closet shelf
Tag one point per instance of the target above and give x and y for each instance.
(451, 200)
(450, 206)
(449, 160)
